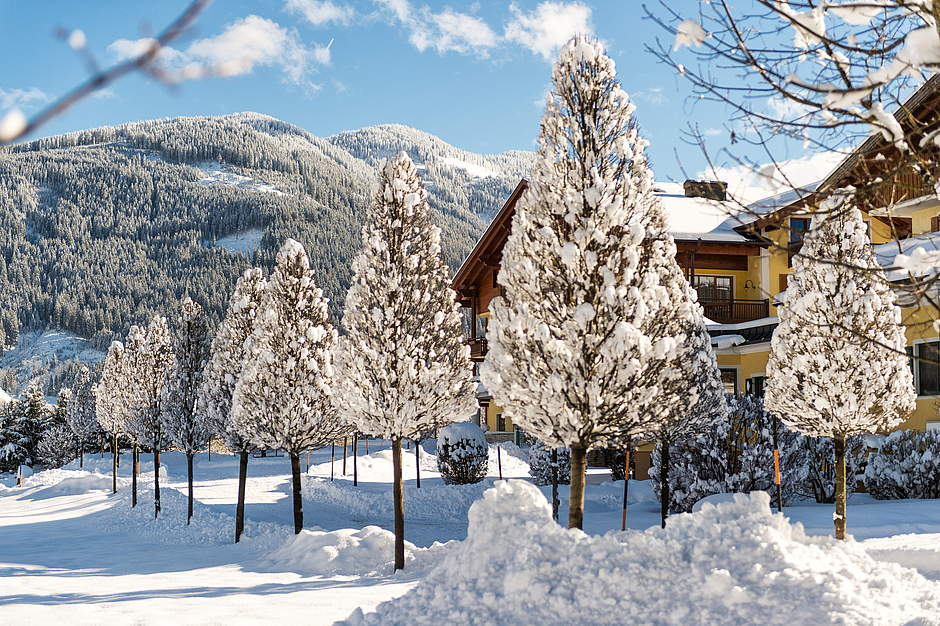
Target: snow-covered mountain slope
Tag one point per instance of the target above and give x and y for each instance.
(103, 227)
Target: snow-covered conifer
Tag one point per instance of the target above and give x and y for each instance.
(186, 427)
(111, 401)
(80, 414)
(149, 354)
(223, 371)
(462, 453)
(837, 363)
(586, 343)
(403, 368)
(282, 398)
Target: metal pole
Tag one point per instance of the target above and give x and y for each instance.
(332, 457)
(626, 483)
(499, 462)
(777, 467)
(555, 502)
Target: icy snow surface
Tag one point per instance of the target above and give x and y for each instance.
(218, 174)
(472, 169)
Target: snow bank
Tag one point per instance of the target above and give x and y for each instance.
(433, 502)
(349, 552)
(731, 563)
(74, 485)
(917, 551)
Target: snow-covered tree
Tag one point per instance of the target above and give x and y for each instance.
(149, 354)
(22, 423)
(837, 364)
(282, 398)
(80, 414)
(403, 368)
(224, 369)
(111, 402)
(820, 467)
(57, 446)
(186, 427)
(59, 416)
(540, 464)
(587, 340)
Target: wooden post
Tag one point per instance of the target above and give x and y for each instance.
(664, 494)
(295, 488)
(626, 482)
(240, 505)
(344, 456)
(367, 445)
(355, 460)
(189, 480)
(777, 467)
(135, 469)
(499, 461)
(114, 464)
(209, 449)
(332, 457)
(156, 483)
(418, 462)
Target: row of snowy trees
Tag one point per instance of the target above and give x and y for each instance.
(275, 374)
(597, 338)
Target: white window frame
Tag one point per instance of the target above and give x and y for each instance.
(731, 276)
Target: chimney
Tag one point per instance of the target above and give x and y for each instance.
(710, 189)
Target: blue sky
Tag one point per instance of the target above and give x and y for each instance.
(473, 73)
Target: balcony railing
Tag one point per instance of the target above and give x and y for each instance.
(477, 347)
(735, 311)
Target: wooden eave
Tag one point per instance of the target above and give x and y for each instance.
(487, 253)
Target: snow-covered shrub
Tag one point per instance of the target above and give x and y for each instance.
(540, 464)
(58, 446)
(462, 454)
(820, 462)
(906, 466)
(733, 455)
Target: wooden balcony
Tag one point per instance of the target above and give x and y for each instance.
(734, 311)
(477, 347)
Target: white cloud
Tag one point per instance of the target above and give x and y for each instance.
(22, 98)
(168, 58)
(751, 183)
(401, 9)
(460, 32)
(549, 26)
(653, 95)
(319, 12)
(245, 44)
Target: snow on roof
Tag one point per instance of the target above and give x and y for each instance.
(699, 218)
(762, 207)
(886, 253)
(4, 397)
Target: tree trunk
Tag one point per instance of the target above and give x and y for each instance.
(156, 483)
(344, 456)
(418, 463)
(114, 464)
(367, 446)
(135, 469)
(664, 494)
(209, 450)
(332, 457)
(555, 501)
(576, 491)
(355, 460)
(295, 480)
(626, 484)
(399, 497)
(189, 482)
(839, 519)
(240, 505)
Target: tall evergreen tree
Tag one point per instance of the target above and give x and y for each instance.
(149, 355)
(403, 368)
(837, 364)
(80, 414)
(186, 427)
(587, 342)
(222, 372)
(111, 402)
(282, 398)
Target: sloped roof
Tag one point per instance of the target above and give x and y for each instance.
(886, 252)
(700, 218)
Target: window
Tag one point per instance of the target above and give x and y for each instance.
(481, 327)
(933, 425)
(755, 386)
(928, 371)
(500, 423)
(714, 287)
(935, 224)
(729, 379)
(799, 226)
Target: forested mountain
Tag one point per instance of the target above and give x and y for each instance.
(100, 228)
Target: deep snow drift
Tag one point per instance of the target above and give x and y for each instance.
(735, 562)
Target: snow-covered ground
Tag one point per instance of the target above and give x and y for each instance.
(245, 242)
(70, 551)
(216, 173)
